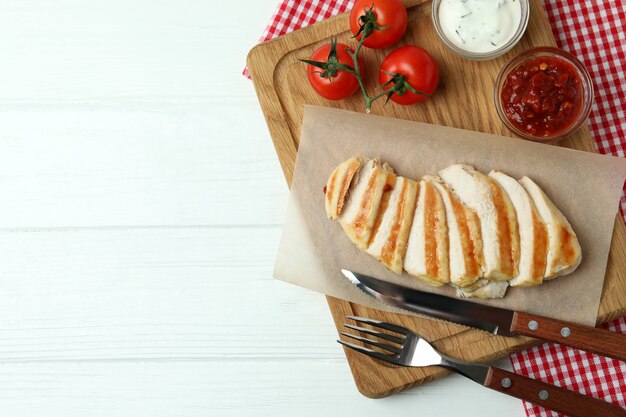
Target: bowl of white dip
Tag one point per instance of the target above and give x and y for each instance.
(480, 29)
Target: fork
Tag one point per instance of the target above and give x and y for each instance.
(409, 349)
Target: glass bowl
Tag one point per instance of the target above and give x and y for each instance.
(525, 14)
(548, 51)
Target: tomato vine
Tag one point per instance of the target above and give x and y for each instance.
(397, 84)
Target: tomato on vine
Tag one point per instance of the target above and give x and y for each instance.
(330, 72)
(409, 74)
(381, 22)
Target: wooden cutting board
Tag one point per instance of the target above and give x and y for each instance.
(464, 99)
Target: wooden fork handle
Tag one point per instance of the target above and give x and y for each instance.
(550, 396)
(577, 336)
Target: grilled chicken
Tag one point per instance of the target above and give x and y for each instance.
(564, 253)
(476, 232)
(359, 213)
(497, 219)
(532, 231)
(427, 251)
(491, 289)
(338, 185)
(393, 224)
(464, 242)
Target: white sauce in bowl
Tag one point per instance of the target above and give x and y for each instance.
(479, 25)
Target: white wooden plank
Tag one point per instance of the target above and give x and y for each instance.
(142, 297)
(84, 166)
(227, 388)
(97, 51)
(154, 293)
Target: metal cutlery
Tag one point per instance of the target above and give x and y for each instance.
(499, 321)
(403, 347)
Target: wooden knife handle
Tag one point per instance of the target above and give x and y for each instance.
(591, 339)
(550, 396)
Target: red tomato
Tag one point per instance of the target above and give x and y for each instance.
(335, 84)
(417, 66)
(391, 13)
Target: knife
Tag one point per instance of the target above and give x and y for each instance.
(496, 320)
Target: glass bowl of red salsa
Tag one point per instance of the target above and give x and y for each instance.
(544, 94)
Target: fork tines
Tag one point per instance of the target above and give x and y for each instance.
(373, 353)
(377, 323)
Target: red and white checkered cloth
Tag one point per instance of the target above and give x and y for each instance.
(592, 30)
(589, 374)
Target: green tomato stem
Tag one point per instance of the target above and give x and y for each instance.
(357, 74)
(400, 83)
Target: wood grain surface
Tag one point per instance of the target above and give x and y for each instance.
(464, 99)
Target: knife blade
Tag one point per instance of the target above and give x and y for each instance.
(491, 319)
(495, 320)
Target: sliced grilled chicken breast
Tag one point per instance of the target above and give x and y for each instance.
(564, 253)
(532, 232)
(479, 233)
(427, 250)
(465, 246)
(497, 217)
(365, 194)
(338, 185)
(491, 289)
(393, 223)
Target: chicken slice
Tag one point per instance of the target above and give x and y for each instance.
(427, 250)
(532, 233)
(338, 185)
(564, 254)
(465, 246)
(393, 223)
(492, 289)
(498, 223)
(359, 212)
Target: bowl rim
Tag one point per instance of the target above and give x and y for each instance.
(588, 91)
(480, 56)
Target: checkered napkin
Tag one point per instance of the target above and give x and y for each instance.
(589, 374)
(592, 30)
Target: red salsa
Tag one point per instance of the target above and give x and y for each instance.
(542, 96)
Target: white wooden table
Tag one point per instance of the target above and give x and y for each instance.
(141, 206)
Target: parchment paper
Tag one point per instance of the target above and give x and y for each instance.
(586, 187)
